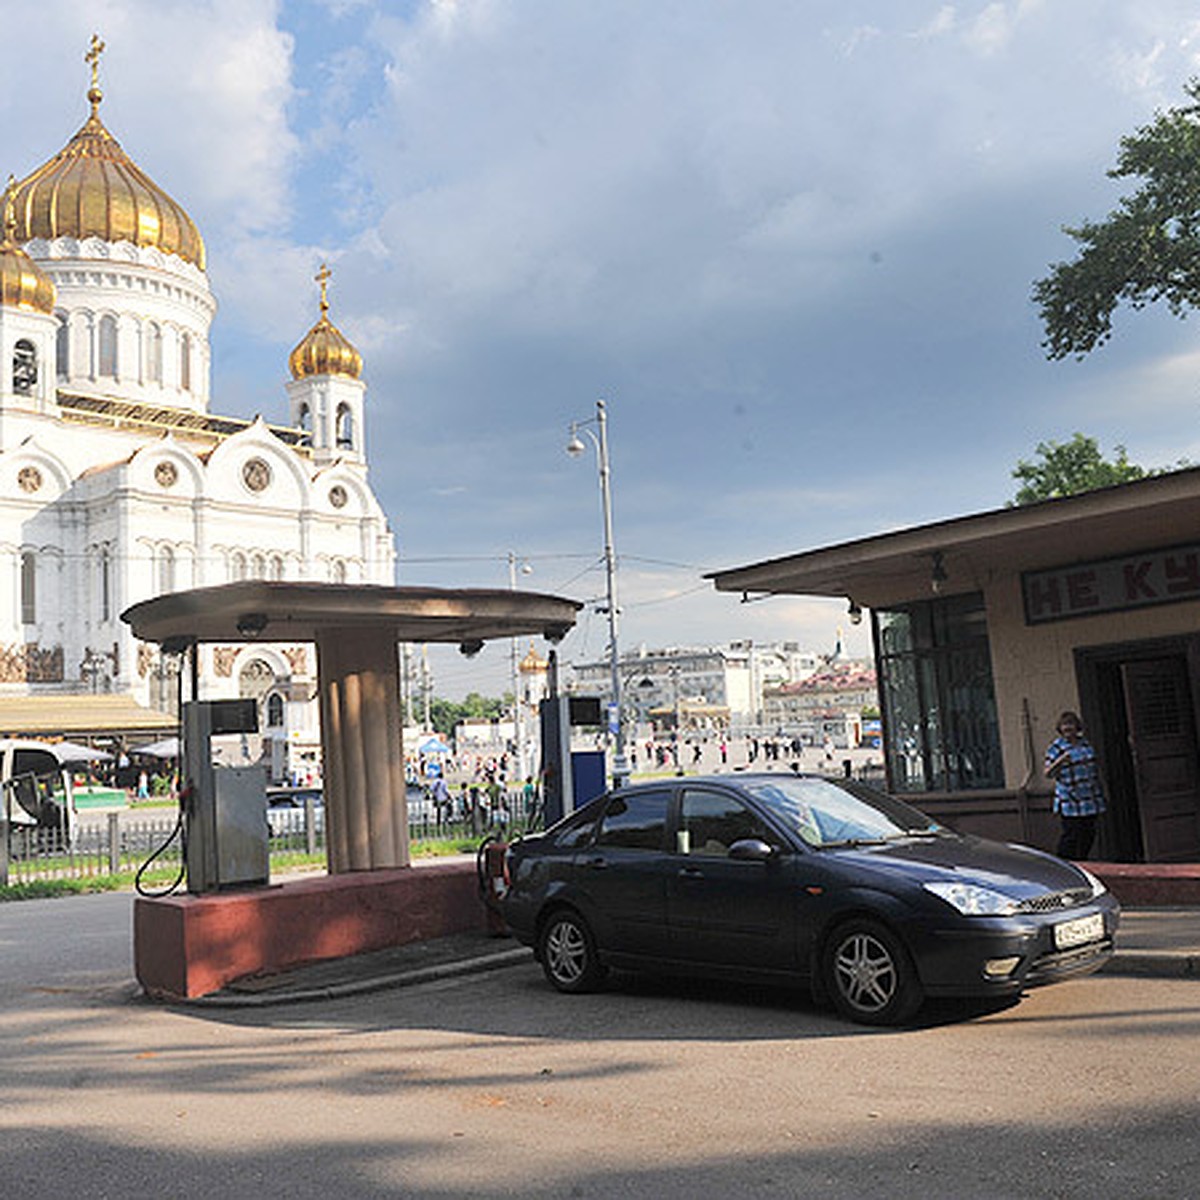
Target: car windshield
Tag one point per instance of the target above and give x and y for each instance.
(825, 813)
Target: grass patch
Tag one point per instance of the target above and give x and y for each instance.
(50, 889)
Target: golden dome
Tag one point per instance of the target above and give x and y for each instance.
(92, 188)
(23, 284)
(531, 664)
(324, 349)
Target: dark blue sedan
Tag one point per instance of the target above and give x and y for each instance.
(792, 877)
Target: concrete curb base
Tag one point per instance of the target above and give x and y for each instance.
(358, 987)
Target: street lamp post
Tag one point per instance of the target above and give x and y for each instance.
(518, 716)
(575, 448)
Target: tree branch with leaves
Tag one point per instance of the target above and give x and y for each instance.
(1146, 250)
(1068, 468)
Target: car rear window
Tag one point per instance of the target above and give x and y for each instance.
(576, 830)
(635, 821)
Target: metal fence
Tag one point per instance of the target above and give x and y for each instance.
(122, 842)
(115, 846)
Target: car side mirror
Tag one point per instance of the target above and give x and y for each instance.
(751, 850)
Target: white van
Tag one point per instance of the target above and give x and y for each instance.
(36, 787)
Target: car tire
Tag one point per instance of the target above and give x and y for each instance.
(567, 951)
(870, 975)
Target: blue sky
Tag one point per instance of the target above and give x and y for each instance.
(790, 244)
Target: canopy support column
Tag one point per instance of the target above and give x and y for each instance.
(366, 811)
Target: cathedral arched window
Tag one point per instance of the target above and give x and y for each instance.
(237, 566)
(154, 343)
(28, 587)
(62, 347)
(166, 570)
(345, 427)
(24, 367)
(185, 362)
(303, 418)
(258, 567)
(106, 347)
(274, 710)
(276, 568)
(337, 571)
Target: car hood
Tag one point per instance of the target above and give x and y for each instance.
(1018, 871)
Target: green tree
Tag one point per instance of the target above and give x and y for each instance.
(1066, 468)
(444, 715)
(1147, 249)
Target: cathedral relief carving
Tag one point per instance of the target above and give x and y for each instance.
(166, 475)
(29, 479)
(297, 659)
(223, 660)
(31, 664)
(337, 496)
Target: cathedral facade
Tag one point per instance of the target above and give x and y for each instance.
(118, 482)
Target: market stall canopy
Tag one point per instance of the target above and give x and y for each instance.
(275, 611)
(166, 748)
(109, 715)
(73, 752)
(433, 746)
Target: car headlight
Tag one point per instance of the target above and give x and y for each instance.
(972, 900)
(1097, 885)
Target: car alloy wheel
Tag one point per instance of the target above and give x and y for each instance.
(568, 953)
(869, 974)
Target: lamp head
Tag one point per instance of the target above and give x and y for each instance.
(252, 624)
(938, 575)
(575, 446)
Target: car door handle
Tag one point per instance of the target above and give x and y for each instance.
(690, 873)
(598, 864)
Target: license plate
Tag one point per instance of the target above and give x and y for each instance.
(1079, 931)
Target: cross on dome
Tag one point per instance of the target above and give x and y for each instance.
(92, 58)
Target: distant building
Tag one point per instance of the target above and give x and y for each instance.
(830, 702)
(708, 687)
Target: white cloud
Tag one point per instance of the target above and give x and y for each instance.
(944, 21)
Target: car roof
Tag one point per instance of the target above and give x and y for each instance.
(732, 779)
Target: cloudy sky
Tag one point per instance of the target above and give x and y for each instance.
(791, 244)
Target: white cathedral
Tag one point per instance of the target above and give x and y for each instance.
(117, 483)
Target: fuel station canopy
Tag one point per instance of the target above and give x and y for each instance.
(356, 628)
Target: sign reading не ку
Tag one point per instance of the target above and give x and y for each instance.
(1133, 581)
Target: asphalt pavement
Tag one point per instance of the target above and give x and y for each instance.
(1151, 942)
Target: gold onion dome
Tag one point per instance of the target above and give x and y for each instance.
(23, 284)
(92, 188)
(324, 349)
(531, 664)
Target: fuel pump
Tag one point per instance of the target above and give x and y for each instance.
(224, 808)
(570, 778)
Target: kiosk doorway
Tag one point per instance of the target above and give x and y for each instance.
(1139, 706)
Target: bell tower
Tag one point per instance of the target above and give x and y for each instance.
(326, 391)
(28, 327)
